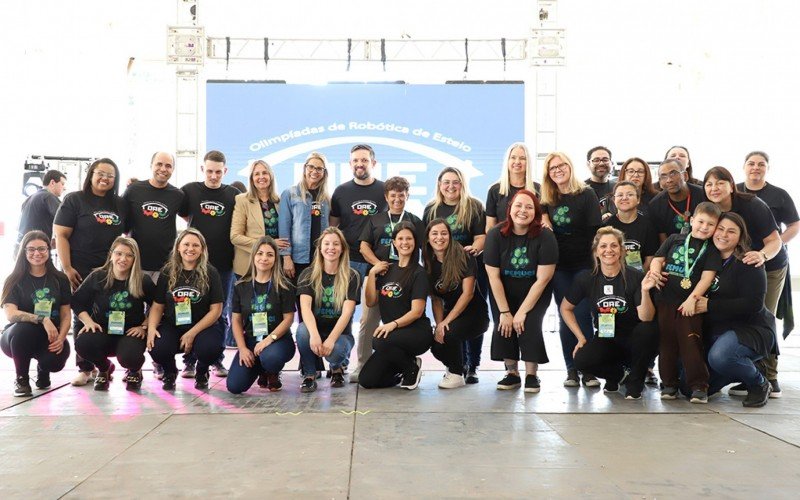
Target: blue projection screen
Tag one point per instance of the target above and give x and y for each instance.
(415, 130)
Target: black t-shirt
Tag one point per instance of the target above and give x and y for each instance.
(327, 315)
(353, 204)
(253, 297)
(760, 224)
(616, 296)
(394, 300)
(151, 220)
(316, 218)
(211, 211)
(674, 264)
(497, 205)
(575, 221)
(450, 296)
(38, 212)
(641, 239)
(518, 258)
(93, 298)
(603, 190)
(186, 289)
(96, 221)
(778, 201)
(32, 289)
(378, 232)
(669, 217)
(464, 235)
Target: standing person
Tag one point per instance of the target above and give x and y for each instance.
(681, 154)
(641, 240)
(208, 207)
(514, 175)
(263, 311)
(186, 310)
(637, 171)
(467, 220)
(690, 263)
(521, 256)
(352, 204)
(111, 304)
(672, 208)
(459, 309)
(406, 332)
(329, 291)
(39, 209)
(623, 311)
(36, 301)
(376, 237)
(570, 208)
(599, 162)
(86, 224)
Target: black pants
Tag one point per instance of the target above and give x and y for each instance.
(25, 341)
(98, 347)
(207, 346)
(530, 345)
(394, 354)
(472, 323)
(607, 357)
(473, 347)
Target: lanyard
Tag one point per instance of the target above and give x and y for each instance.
(686, 214)
(392, 224)
(687, 269)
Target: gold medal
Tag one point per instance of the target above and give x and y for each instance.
(686, 283)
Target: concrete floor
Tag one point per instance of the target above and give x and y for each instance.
(472, 442)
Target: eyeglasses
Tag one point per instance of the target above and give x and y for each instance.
(674, 174)
(634, 173)
(33, 250)
(451, 183)
(312, 168)
(597, 161)
(561, 166)
(103, 175)
(118, 254)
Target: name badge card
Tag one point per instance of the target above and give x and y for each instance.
(183, 313)
(43, 308)
(260, 324)
(605, 324)
(116, 323)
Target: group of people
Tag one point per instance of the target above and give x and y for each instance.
(638, 270)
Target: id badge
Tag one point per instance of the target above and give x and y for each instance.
(183, 313)
(605, 324)
(43, 308)
(634, 259)
(260, 324)
(116, 322)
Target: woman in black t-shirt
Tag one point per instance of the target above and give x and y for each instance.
(638, 172)
(263, 311)
(186, 310)
(329, 291)
(36, 300)
(641, 239)
(111, 304)
(458, 306)
(400, 290)
(622, 309)
(521, 258)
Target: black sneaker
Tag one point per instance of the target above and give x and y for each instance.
(133, 382)
(263, 380)
(471, 376)
(590, 380)
(757, 396)
(669, 393)
(102, 381)
(42, 379)
(633, 396)
(532, 384)
(309, 384)
(611, 386)
(738, 390)
(158, 371)
(412, 376)
(22, 386)
(274, 382)
(699, 396)
(650, 378)
(776, 389)
(509, 382)
(337, 379)
(572, 379)
(201, 380)
(168, 381)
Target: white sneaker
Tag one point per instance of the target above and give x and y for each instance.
(452, 381)
(83, 378)
(220, 371)
(354, 375)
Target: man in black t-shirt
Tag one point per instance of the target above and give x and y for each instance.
(39, 209)
(598, 159)
(352, 204)
(672, 208)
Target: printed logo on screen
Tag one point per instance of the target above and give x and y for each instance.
(212, 208)
(155, 210)
(364, 208)
(186, 293)
(392, 290)
(107, 218)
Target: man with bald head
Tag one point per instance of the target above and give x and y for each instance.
(672, 208)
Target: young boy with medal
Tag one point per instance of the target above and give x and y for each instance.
(685, 267)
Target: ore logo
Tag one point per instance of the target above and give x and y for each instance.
(155, 210)
(212, 208)
(392, 290)
(364, 207)
(107, 218)
(186, 293)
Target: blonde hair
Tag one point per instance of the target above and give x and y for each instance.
(272, 191)
(341, 280)
(620, 237)
(174, 264)
(550, 193)
(278, 278)
(134, 281)
(505, 175)
(467, 209)
(323, 195)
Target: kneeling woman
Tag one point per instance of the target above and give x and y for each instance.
(186, 310)
(521, 258)
(740, 327)
(329, 291)
(263, 311)
(111, 305)
(401, 290)
(623, 312)
(458, 307)
(36, 299)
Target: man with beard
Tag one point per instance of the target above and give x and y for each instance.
(598, 159)
(672, 208)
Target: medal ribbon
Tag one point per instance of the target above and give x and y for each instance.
(687, 269)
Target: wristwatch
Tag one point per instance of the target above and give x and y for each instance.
(273, 337)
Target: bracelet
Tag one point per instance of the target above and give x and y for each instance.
(396, 324)
(504, 312)
(764, 254)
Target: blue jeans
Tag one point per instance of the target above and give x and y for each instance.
(271, 360)
(731, 362)
(308, 360)
(228, 279)
(562, 282)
